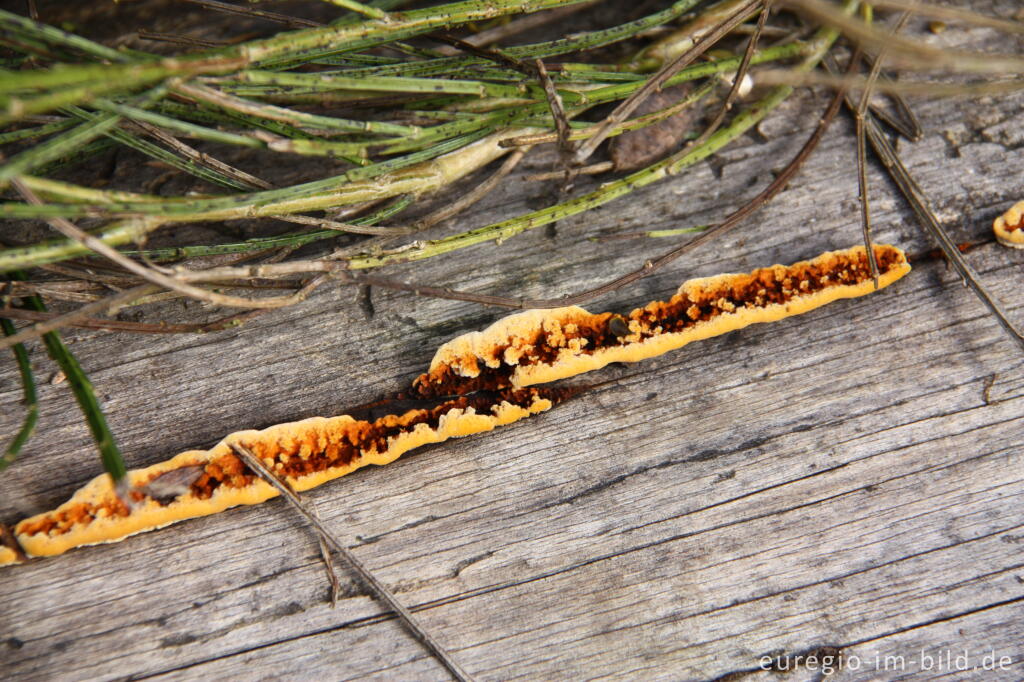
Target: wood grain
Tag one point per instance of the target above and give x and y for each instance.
(850, 478)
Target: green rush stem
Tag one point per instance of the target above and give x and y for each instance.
(351, 187)
(415, 173)
(318, 194)
(230, 118)
(76, 157)
(169, 123)
(331, 81)
(160, 154)
(57, 147)
(68, 142)
(264, 243)
(501, 231)
(299, 119)
(585, 41)
(64, 88)
(37, 131)
(54, 36)
(351, 37)
(76, 84)
(110, 455)
(588, 98)
(28, 386)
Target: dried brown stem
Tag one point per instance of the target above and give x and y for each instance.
(99, 307)
(189, 152)
(227, 8)
(623, 111)
(379, 589)
(131, 327)
(475, 194)
(737, 82)
(176, 283)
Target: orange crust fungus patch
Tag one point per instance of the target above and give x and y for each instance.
(305, 453)
(1009, 227)
(538, 346)
(485, 373)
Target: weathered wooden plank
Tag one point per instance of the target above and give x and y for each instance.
(851, 478)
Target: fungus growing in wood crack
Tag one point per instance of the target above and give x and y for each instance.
(306, 453)
(476, 382)
(1009, 227)
(539, 346)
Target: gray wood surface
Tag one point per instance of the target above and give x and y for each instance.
(850, 478)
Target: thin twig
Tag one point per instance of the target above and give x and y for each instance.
(490, 54)
(227, 8)
(922, 207)
(475, 194)
(119, 325)
(379, 589)
(565, 146)
(332, 573)
(592, 169)
(72, 231)
(622, 112)
(341, 227)
(104, 305)
(188, 41)
(862, 166)
(741, 74)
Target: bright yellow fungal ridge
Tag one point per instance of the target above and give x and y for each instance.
(7, 556)
(149, 514)
(540, 346)
(532, 347)
(1009, 227)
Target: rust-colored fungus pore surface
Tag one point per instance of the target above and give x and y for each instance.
(538, 346)
(305, 453)
(62, 520)
(475, 383)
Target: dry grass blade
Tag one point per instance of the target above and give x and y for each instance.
(946, 13)
(702, 44)
(862, 171)
(379, 589)
(919, 202)
(906, 53)
(99, 307)
(72, 231)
